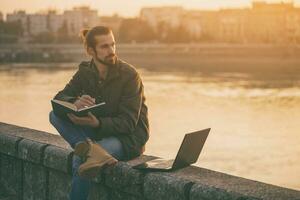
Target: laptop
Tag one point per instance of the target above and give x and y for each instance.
(188, 154)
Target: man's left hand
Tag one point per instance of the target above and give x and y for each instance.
(89, 120)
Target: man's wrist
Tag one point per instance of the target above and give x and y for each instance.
(98, 124)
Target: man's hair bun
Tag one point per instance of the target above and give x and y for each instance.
(83, 33)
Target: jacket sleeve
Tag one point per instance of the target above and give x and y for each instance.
(71, 91)
(129, 108)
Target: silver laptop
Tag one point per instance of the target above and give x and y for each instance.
(188, 154)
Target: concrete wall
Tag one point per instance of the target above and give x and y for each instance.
(37, 165)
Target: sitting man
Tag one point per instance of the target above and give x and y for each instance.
(121, 130)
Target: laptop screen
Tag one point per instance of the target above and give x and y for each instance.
(190, 148)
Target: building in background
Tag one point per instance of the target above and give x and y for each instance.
(75, 20)
(37, 24)
(20, 16)
(192, 22)
(114, 22)
(266, 22)
(79, 18)
(54, 21)
(206, 21)
(231, 25)
(155, 16)
(261, 23)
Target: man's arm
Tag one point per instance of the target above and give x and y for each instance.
(128, 112)
(71, 91)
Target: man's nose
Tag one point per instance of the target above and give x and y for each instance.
(111, 49)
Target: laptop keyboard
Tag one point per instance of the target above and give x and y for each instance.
(162, 164)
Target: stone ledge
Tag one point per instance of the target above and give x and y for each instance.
(32, 134)
(123, 177)
(46, 156)
(9, 144)
(32, 151)
(234, 185)
(199, 191)
(58, 158)
(162, 185)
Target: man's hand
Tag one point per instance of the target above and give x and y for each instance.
(84, 101)
(89, 120)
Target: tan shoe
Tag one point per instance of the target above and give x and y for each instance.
(96, 158)
(81, 149)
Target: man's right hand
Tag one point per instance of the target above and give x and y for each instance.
(84, 101)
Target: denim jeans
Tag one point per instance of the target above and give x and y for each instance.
(73, 134)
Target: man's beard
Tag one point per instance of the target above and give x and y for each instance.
(108, 60)
(111, 59)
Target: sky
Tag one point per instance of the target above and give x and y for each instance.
(126, 8)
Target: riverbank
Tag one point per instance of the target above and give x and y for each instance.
(162, 57)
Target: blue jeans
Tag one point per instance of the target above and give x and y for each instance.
(74, 134)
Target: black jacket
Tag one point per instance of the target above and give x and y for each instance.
(125, 114)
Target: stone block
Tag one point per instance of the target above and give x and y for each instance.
(35, 181)
(59, 185)
(165, 185)
(32, 134)
(204, 192)
(214, 183)
(120, 195)
(6, 193)
(9, 144)
(99, 179)
(99, 192)
(37, 165)
(11, 173)
(58, 158)
(10, 129)
(123, 177)
(32, 151)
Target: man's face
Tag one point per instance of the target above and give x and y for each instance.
(105, 48)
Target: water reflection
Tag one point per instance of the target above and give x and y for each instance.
(254, 118)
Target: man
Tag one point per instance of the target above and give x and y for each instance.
(122, 129)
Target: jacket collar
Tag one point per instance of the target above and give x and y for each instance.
(112, 73)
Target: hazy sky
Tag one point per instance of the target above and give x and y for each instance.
(122, 7)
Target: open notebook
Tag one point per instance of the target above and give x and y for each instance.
(62, 108)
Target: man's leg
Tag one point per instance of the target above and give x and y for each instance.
(113, 146)
(72, 133)
(80, 186)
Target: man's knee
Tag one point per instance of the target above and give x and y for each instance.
(111, 142)
(113, 146)
(53, 119)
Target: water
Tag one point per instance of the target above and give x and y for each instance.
(254, 119)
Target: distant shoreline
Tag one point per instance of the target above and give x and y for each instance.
(163, 57)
